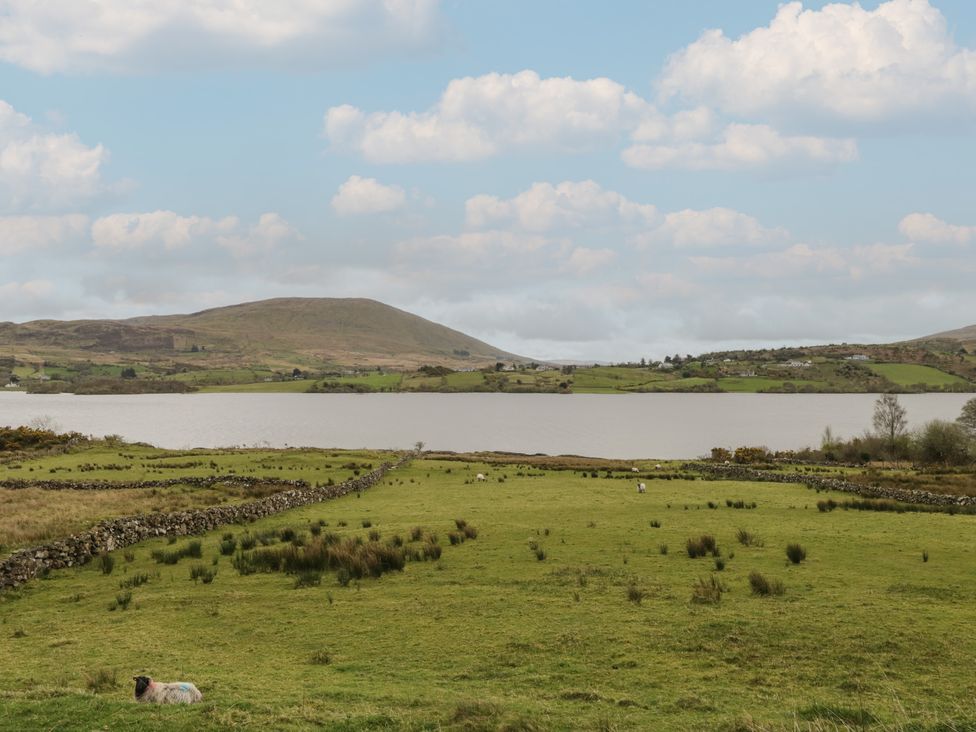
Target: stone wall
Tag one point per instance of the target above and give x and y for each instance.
(25, 565)
(104, 485)
(905, 495)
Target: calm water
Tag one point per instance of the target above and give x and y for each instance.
(606, 425)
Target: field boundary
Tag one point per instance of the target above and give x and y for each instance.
(26, 564)
(904, 495)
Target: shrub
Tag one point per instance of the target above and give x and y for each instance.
(431, 550)
(244, 564)
(764, 587)
(455, 537)
(194, 549)
(719, 564)
(367, 523)
(374, 535)
(705, 544)
(343, 576)
(227, 546)
(925, 555)
(106, 562)
(315, 529)
(308, 578)
(655, 524)
(796, 553)
(460, 523)
(129, 556)
(826, 506)
(122, 600)
(204, 574)
(136, 580)
(470, 532)
(747, 538)
(707, 592)
(416, 533)
(635, 594)
(663, 548)
(320, 658)
(287, 534)
(540, 553)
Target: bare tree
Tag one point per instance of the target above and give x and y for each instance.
(889, 420)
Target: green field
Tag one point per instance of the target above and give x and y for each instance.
(910, 374)
(867, 635)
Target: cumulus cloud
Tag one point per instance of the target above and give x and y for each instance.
(169, 231)
(841, 62)
(42, 170)
(146, 35)
(32, 234)
(367, 195)
(925, 227)
(478, 117)
(742, 147)
(569, 204)
(582, 260)
(586, 208)
(713, 227)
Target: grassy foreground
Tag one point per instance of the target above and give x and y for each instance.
(599, 633)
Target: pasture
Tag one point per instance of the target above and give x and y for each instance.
(577, 606)
(911, 374)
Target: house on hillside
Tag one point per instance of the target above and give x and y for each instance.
(858, 357)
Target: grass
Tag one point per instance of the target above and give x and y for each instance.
(537, 646)
(30, 516)
(910, 374)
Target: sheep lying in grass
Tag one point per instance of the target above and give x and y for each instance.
(157, 692)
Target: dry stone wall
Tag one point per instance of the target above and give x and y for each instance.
(25, 565)
(904, 495)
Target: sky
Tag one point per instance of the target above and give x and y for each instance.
(585, 181)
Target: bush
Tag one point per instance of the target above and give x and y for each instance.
(309, 578)
(765, 587)
(540, 553)
(106, 562)
(707, 592)
(136, 580)
(374, 535)
(122, 600)
(663, 548)
(416, 533)
(925, 555)
(796, 553)
(228, 546)
(719, 564)
(320, 658)
(703, 545)
(470, 532)
(747, 538)
(655, 524)
(635, 594)
(944, 443)
(204, 574)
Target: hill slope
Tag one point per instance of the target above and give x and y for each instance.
(280, 332)
(965, 336)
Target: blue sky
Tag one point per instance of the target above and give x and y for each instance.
(558, 179)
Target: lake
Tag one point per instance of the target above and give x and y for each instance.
(604, 425)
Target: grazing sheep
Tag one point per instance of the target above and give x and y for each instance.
(157, 692)
(480, 476)
(635, 470)
(658, 466)
(641, 488)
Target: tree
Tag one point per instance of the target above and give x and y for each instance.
(944, 443)
(889, 420)
(128, 373)
(968, 417)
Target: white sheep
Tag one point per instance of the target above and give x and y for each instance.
(480, 476)
(157, 692)
(641, 488)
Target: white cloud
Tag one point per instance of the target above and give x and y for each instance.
(925, 227)
(665, 285)
(743, 147)
(367, 195)
(478, 117)
(841, 62)
(569, 204)
(584, 261)
(170, 231)
(41, 170)
(34, 233)
(144, 35)
(713, 227)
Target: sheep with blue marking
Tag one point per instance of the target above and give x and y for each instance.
(158, 692)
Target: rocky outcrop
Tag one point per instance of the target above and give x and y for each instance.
(904, 495)
(25, 565)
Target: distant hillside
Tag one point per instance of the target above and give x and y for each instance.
(965, 336)
(284, 332)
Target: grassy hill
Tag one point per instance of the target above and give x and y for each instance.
(961, 337)
(280, 333)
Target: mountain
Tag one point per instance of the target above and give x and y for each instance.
(283, 332)
(966, 337)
